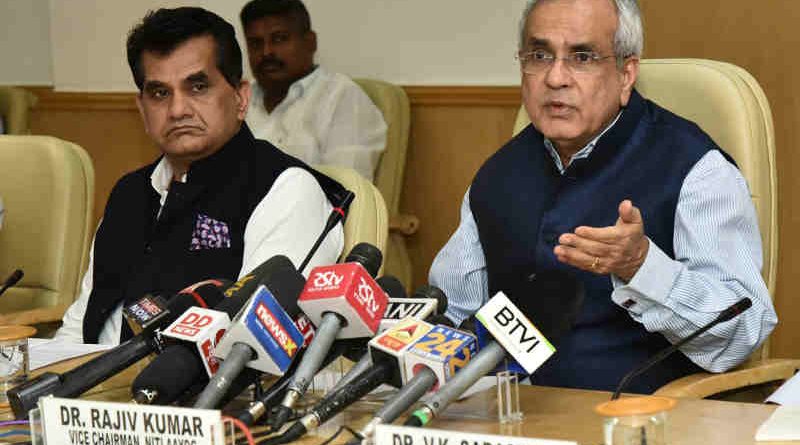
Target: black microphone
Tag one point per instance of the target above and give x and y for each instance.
(732, 311)
(12, 280)
(285, 283)
(75, 382)
(338, 213)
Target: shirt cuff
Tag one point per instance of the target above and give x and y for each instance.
(651, 284)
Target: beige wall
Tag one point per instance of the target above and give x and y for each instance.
(454, 129)
(25, 42)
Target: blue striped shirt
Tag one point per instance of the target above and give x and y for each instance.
(717, 262)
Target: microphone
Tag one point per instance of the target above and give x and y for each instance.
(429, 363)
(338, 213)
(75, 382)
(513, 333)
(11, 280)
(427, 303)
(729, 313)
(258, 408)
(344, 302)
(388, 351)
(283, 280)
(262, 337)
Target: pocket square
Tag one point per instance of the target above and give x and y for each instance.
(210, 234)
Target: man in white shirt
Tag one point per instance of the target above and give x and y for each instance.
(217, 203)
(314, 115)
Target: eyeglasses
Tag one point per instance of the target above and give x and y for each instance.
(538, 61)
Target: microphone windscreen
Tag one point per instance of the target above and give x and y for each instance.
(15, 277)
(392, 286)
(428, 291)
(367, 255)
(170, 374)
(735, 309)
(281, 278)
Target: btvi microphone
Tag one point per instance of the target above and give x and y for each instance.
(11, 280)
(344, 302)
(513, 333)
(732, 311)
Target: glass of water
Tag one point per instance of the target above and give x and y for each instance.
(13, 357)
(636, 420)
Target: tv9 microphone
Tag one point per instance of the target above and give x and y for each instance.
(75, 382)
(430, 362)
(427, 303)
(344, 302)
(180, 368)
(11, 280)
(514, 334)
(729, 313)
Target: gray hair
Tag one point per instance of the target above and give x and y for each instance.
(628, 39)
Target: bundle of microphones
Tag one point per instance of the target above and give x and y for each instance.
(214, 339)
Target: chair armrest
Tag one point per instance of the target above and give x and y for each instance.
(34, 316)
(403, 224)
(703, 384)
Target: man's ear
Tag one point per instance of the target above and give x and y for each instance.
(140, 106)
(311, 38)
(242, 99)
(629, 74)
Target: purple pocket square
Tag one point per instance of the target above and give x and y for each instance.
(210, 234)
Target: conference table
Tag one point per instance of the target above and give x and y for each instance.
(549, 413)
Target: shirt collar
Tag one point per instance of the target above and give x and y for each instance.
(161, 178)
(580, 154)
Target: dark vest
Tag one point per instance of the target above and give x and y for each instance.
(136, 252)
(522, 204)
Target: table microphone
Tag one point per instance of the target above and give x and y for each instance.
(12, 280)
(732, 311)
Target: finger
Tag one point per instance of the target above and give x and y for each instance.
(629, 213)
(576, 258)
(589, 246)
(606, 235)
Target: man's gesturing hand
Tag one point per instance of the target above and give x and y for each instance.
(619, 249)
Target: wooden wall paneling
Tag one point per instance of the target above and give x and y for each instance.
(763, 38)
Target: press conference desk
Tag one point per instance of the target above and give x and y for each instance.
(566, 414)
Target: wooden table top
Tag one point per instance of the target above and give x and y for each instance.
(549, 413)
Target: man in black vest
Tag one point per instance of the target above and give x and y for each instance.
(217, 203)
(608, 196)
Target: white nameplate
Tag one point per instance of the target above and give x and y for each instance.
(512, 329)
(86, 422)
(404, 435)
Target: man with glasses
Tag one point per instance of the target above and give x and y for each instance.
(615, 225)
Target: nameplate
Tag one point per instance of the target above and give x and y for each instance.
(86, 422)
(403, 435)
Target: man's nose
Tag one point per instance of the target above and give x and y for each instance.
(558, 74)
(179, 106)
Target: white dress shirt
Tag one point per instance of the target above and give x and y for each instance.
(325, 118)
(717, 262)
(287, 221)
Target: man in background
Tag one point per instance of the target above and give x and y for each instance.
(317, 116)
(217, 203)
(611, 195)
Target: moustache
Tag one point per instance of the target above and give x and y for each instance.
(270, 62)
